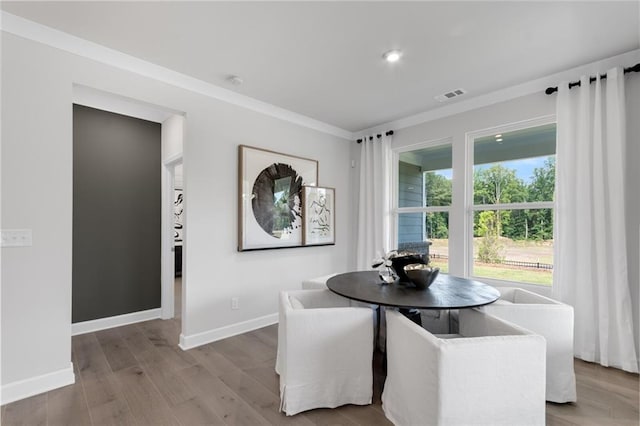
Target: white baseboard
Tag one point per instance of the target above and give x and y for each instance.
(199, 339)
(117, 321)
(35, 385)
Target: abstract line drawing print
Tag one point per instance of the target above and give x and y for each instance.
(318, 215)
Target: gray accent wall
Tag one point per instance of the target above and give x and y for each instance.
(116, 214)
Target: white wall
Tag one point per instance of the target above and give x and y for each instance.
(172, 137)
(37, 193)
(178, 176)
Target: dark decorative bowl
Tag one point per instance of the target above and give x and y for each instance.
(404, 258)
(421, 275)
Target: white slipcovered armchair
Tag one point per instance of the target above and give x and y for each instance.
(321, 283)
(492, 373)
(325, 351)
(316, 283)
(553, 321)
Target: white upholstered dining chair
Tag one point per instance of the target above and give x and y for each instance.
(491, 373)
(316, 283)
(325, 351)
(321, 283)
(551, 319)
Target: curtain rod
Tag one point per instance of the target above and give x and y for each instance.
(551, 90)
(389, 133)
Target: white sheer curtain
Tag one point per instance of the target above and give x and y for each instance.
(374, 200)
(590, 240)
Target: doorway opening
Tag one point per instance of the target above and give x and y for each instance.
(174, 250)
(172, 134)
(178, 233)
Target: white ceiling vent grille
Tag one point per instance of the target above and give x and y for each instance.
(450, 95)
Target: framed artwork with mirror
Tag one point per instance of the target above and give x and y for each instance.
(270, 198)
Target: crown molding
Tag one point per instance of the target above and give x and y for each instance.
(502, 95)
(51, 37)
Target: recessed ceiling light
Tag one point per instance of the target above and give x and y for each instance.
(498, 136)
(392, 56)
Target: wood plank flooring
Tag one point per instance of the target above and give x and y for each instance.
(137, 375)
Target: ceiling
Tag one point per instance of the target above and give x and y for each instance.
(324, 59)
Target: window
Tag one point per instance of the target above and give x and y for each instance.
(511, 199)
(423, 200)
(494, 221)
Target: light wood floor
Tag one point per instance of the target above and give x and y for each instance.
(137, 375)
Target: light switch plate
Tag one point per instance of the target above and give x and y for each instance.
(16, 237)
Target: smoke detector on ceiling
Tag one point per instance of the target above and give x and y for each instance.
(235, 80)
(450, 95)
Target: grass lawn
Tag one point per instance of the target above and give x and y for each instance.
(443, 264)
(533, 276)
(523, 251)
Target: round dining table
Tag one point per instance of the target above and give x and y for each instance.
(446, 292)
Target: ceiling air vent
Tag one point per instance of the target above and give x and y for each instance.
(450, 95)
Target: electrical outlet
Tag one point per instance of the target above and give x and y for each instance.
(16, 238)
(235, 303)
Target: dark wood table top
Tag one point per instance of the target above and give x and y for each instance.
(446, 292)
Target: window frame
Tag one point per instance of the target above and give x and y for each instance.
(470, 207)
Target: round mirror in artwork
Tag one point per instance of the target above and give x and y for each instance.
(276, 200)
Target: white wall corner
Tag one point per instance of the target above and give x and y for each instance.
(36, 385)
(116, 321)
(199, 339)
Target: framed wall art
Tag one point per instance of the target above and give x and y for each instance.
(178, 211)
(318, 213)
(270, 198)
